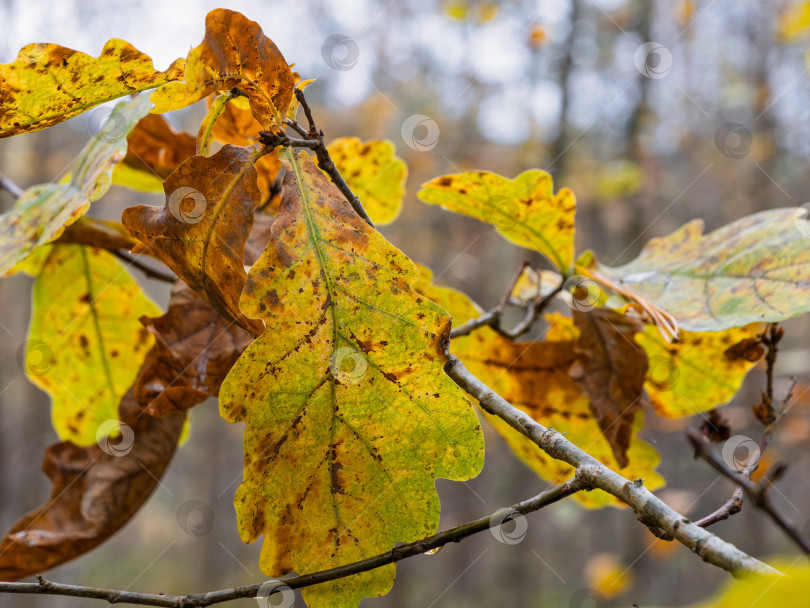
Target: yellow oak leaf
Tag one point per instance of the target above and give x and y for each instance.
(700, 372)
(533, 376)
(374, 173)
(524, 210)
(48, 83)
(349, 415)
(85, 325)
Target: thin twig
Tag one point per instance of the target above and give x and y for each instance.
(149, 272)
(492, 318)
(757, 492)
(274, 139)
(313, 139)
(293, 124)
(199, 600)
(649, 509)
(10, 187)
(734, 504)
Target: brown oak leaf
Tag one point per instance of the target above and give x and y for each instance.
(234, 53)
(611, 369)
(154, 146)
(200, 232)
(94, 493)
(194, 350)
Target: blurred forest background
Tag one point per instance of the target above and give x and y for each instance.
(713, 122)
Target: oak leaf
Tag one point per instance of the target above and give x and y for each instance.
(610, 367)
(349, 415)
(524, 210)
(40, 215)
(374, 173)
(85, 343)
(154, 150)
(234, 53)
(104, 234)
(95, 491)
(756, 269)
(194, 350)
(48, 83)
(701, 371)
(200, 232)
(236, 125)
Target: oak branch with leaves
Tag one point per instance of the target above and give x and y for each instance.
(357, 377)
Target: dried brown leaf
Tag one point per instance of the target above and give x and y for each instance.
(94, 494)
(195, 349)
(611, 369)
(155, 147)
(200, 232)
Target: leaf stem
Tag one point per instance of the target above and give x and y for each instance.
(205, 137)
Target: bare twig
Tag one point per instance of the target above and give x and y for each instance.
(734, 504)
(275, 139)
(199, 600)
(10, 187)
(313, 139)
(492, 318)
(757, 492)
(293, 124)
(149, 272)
(649, 509)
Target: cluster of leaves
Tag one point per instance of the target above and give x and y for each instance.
(316, 332)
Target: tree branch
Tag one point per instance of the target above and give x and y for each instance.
(313, 139)
(10, 187)
(453, 535)
(767, 414)
(492, 318)
(649, 509)
(152, 273)
(757, 492)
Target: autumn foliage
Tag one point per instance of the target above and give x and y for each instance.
(322, 337)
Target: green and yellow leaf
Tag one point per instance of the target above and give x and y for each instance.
(86, 343)
(234, 53)
(48, 83)
(701, 371)
(756, 269)
(349, 415)
(40, 215)
(524, 210)
(374, 173)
